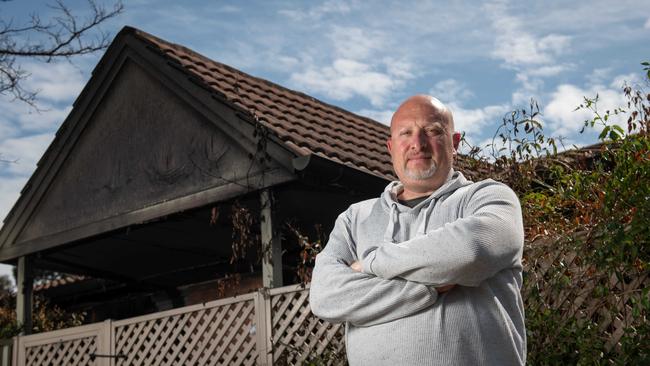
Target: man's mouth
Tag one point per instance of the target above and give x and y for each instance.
(419, 157)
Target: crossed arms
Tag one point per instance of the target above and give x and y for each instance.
(400, 279)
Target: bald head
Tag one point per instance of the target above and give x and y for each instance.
(423, 105)
(422, 145)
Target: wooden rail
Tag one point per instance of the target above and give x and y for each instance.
(261, 328)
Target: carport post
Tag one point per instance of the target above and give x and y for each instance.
(271, 245)
(25, 286)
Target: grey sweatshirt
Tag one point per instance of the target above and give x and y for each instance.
(468, 234)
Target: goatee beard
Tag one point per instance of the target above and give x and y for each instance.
(421, 174)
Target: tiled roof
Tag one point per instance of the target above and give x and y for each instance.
(305, 124)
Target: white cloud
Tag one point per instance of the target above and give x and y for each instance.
(174, 14)
(346, 78)
(355, 43)
(533, 56)
(451, 91)
(564, 120)
(55, 82)
(529, 87)
(554, 44)
(474, 121)
(26, 150)
(599, 75)
(20, 116)
(48, 119)
(647, 24)
(285, 62)
(315, 13)
(516, 46)
(10, 188)
(628, 79)
(548, 70)
(383, 116)
(352, 64)
(7, 130)
(401, 69)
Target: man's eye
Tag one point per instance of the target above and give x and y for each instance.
(405, 133)
(433, 132)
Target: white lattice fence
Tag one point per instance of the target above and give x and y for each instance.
(216, 333)
(547, 261)
(79, 346)
(297, 335)
(71, 352)
(266, 327)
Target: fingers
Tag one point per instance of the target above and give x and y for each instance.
(445, 288)
(356, 266)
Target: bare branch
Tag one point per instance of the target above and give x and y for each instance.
(62, 37)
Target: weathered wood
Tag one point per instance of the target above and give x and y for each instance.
(611, 312)
(92, 105)
(143, 146)
(6, 350)
(70, 347)
(24, 295)
(221, 332)
(271, 244)
(271, 325)
(262, 328)
(297, 334)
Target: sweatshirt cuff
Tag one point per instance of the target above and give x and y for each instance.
(434, 293)
(366, 262)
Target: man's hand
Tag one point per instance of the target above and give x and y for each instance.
(356, 266)
(443, 289)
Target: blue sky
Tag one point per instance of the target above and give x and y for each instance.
(482, 58)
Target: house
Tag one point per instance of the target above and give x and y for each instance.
(163, 151)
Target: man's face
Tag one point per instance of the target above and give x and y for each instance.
(421, 145)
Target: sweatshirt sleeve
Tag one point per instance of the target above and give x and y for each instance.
(487, 239)
(340, 294)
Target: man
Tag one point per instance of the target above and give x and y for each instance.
(429, 273)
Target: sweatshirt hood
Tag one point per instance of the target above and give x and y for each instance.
(390, 202)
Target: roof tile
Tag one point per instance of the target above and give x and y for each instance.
(305, 124)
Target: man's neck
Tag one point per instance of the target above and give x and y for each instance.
(410, 194)
(413, 202)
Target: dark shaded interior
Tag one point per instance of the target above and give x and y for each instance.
(145, 268)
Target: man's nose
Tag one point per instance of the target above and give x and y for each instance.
(418, 140)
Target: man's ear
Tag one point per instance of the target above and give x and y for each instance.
(389, 145)
(456, 137)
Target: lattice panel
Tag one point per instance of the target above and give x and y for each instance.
(298, 336)
(221, 335)
(612, 313)
(74, 352)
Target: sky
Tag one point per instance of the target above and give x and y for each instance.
(482, 58)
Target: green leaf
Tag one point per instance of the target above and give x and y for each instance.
(604, 133)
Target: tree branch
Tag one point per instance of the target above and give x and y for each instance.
(64, 36)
